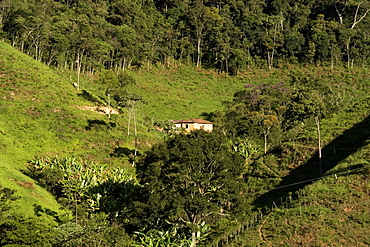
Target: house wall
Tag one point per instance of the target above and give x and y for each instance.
(192, 126)
(206, 127)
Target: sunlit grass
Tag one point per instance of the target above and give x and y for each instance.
(39, 116)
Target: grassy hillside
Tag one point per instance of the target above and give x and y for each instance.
(34, 103)
(182, 92)
(42, 114)
(306, 208)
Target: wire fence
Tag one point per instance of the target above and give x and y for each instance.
(261, 214)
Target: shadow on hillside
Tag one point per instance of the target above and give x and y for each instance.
(96, 123)
(340, 148)
(131, 154)
(90, 97)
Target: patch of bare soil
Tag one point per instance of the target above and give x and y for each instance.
(99, 109)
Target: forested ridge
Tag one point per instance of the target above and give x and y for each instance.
(225, 35)
(285, 84)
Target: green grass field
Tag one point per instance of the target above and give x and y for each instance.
(41, 115)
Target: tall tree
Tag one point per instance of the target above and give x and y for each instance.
(190, 179)
(5, 7)
(350, 14)
(306, 102)
(324, 37)
(257, 111)
(202, 18)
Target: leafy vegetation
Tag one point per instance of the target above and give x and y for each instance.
(229, 36)
(271, 145)
(191, 179)
(89, 158)
(91, 184)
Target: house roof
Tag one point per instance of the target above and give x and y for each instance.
(192, 120)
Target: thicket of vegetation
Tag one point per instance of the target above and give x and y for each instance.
(286, 164)
(226, 35)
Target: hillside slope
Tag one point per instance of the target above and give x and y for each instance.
(43, 114)
(33, 102)
(319, 210)
(312, 208)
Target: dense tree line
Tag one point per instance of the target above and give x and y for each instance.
(228, 35)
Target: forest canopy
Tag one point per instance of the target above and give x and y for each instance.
(228, 35)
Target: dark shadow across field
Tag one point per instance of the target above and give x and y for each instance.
(339, 149)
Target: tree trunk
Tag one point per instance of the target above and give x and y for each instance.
(135, 133)
(348, 53)
(109, 106)
(270, 58)
(79, 65)
(129, 121)
(78, 74)
(317, 120)
(193, 239)
(226, 66)
(265, 139)
(199, 52)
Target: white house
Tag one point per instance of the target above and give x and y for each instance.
(193, 124)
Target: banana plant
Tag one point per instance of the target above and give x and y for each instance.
(157, 238)
(84, 181)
